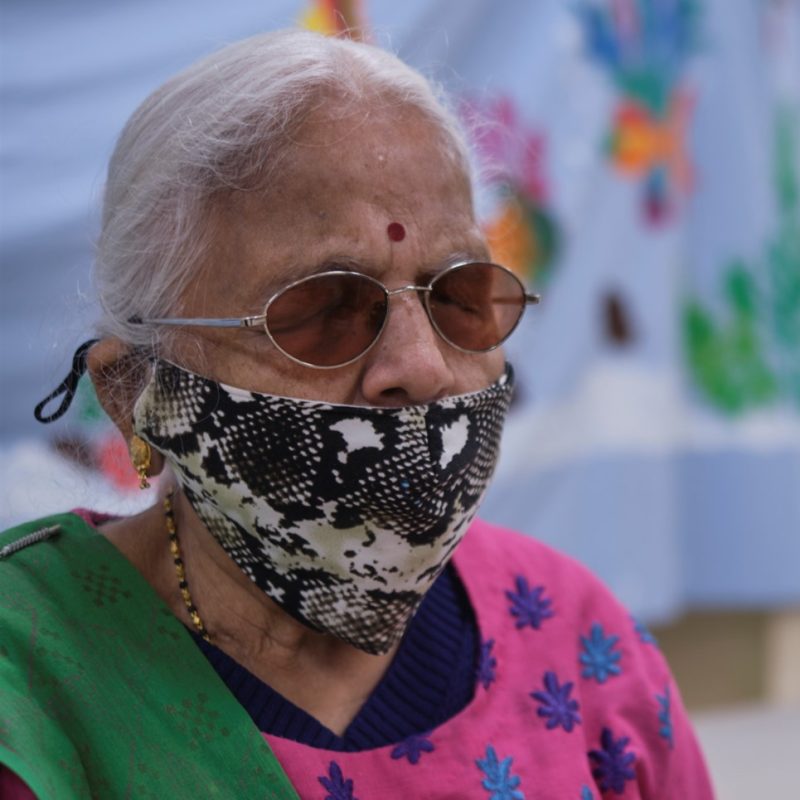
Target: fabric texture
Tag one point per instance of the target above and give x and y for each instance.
(102, 694)
(343, 515)
(573, 700)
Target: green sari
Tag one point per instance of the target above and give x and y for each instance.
(102, 692)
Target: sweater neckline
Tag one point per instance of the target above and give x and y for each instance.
(431, 679)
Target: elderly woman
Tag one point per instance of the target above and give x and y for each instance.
(302, 329)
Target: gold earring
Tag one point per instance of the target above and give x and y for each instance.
(140, 456)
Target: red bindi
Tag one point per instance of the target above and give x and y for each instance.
(396, 232)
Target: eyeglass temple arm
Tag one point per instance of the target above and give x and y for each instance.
(530, 299)
(210, 322)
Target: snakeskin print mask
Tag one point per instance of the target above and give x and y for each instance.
(343, 515)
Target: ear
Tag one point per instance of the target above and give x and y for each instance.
(118, 375)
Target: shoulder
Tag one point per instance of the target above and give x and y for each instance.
(39, 562)
(35, 544)
(70, 522)
(521, 583)
(553, 627)
(43, 561)
(494, 555)
(19, 538)
(534, 596)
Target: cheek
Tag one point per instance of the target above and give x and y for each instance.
(248, 360)
(495, 364)
(478, 371)
(278, 375)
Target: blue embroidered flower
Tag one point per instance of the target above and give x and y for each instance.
(486, 664)
(555, 703)
(599, 658)
(665, 716)
(641, 630)
(413, 747)
(498, 780)
(586, 793)
(613, 764)
(337, 787)
(528, 605)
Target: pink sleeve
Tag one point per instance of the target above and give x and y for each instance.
(644, 704)
(12, 787)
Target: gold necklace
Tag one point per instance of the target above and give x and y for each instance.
(180, 570)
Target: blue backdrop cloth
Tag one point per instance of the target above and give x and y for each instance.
(640, 166)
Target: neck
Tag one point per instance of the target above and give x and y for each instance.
(325, 676)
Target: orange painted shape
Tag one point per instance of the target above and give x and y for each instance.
(511, 241)
(335, 18)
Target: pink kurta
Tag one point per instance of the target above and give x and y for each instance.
(573, 700)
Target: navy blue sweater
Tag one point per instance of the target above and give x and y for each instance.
(431, 678)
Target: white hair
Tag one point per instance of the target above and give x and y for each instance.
(224, 124)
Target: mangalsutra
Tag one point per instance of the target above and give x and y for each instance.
(180, 570)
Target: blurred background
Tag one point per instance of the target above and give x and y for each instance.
(639, 165)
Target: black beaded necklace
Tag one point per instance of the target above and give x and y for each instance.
(180, 570)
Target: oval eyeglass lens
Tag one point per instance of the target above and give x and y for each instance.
(327, 320)
(476, 306)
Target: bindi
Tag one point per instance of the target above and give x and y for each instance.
(396, 232)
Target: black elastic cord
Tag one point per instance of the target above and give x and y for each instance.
(67, 387)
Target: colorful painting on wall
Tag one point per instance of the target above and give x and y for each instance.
(644, 46)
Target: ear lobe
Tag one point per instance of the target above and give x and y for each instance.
(118, 375)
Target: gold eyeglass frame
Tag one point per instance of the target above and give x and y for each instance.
(261, 320)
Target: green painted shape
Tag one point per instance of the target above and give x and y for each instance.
(748, 356)
(548, 240)
(726, 359)
(783, 257)
(649, 88)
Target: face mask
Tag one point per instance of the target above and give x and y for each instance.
(343, 515)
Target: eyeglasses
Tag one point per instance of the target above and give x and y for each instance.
(333, 318)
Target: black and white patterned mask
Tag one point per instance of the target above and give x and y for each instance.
(343, 515)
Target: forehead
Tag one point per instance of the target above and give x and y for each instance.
(347, 177)
(359, 137)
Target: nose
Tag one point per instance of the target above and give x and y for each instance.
(408, 364)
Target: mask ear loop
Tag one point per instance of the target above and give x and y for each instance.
(67, 387)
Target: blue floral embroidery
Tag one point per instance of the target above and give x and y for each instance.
(613, 764)
(486, 664)
(498, 780)
(599, 658)
(555, 703)
(586, 793)
(528, 605)
(413, 747)
(337, 787)
(642, 632)
(665, 716)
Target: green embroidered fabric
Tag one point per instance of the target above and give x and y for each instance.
(102, 692)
